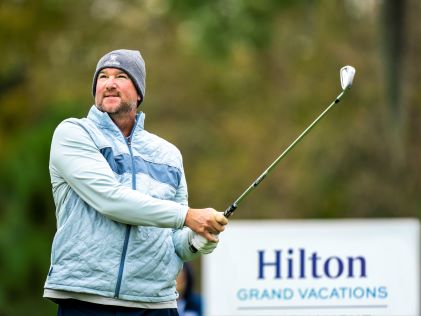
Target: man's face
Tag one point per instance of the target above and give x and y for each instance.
(115, 92)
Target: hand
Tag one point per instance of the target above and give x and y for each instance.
(201, 244)
(206, 222)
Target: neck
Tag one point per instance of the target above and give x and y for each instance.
(124, 121)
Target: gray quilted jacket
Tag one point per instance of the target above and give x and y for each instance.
(120, 206)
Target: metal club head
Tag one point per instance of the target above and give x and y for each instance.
(347, 76)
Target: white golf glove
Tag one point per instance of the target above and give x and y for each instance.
(201, 244)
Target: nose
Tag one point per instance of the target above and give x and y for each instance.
(110, 83)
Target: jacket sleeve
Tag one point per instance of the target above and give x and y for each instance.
(181, 236)
(182, 246)
(75, 159)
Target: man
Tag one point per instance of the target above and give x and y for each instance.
(124, 227)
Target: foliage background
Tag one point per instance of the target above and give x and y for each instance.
(231, 83)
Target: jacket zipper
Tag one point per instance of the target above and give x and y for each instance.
(128, 227)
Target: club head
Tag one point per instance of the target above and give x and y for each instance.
(347, 76)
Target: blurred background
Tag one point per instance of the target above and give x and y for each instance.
(231, 83)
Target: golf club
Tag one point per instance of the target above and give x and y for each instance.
(347, 76)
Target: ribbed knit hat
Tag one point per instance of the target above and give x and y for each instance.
(130, 61)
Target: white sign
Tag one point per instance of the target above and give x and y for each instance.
(314, 267)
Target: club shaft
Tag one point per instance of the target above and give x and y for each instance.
(228, 212)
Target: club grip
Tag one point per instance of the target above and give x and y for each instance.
(230, 210)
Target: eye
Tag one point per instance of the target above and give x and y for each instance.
(123, 76)
(102, 76)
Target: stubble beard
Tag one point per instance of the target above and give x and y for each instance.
(124, 108)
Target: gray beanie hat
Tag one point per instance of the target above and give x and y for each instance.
(130, 61)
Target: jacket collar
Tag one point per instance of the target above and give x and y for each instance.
(104, 120)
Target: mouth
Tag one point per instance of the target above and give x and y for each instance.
(111, 97)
